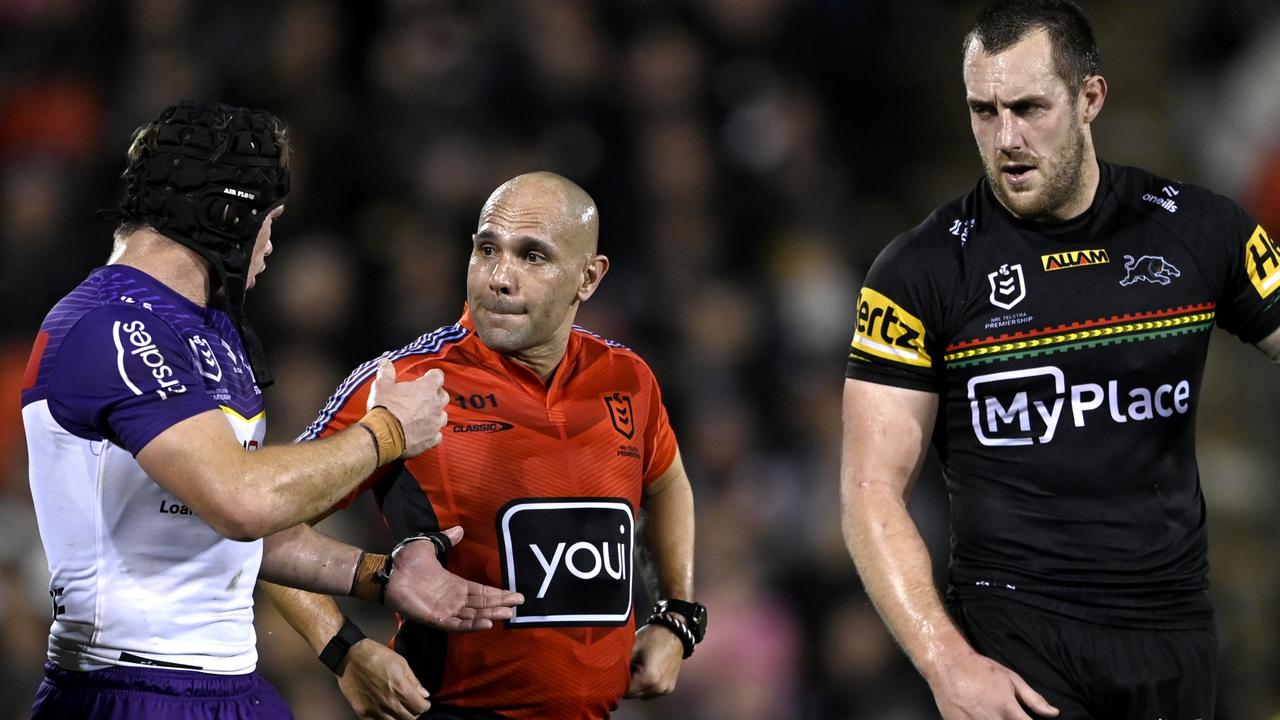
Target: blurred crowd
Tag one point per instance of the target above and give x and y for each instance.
(749, 159)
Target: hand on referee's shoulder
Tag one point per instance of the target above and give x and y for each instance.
(419, 405)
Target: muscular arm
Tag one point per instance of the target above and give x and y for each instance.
(1270, 346)
(668, 532)
(886, 435)
(667, 539)
(246, 496)
(375, 680)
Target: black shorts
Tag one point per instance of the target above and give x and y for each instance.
(1096, 672)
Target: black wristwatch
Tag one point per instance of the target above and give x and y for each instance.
(691, 630)
(439, 539)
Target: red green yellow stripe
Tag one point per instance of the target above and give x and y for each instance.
(1081, 335)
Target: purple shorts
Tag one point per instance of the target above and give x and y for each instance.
(143, 693)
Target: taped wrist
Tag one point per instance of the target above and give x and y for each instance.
(368, 582)
(388, 434)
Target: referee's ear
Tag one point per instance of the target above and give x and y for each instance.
(592, 274)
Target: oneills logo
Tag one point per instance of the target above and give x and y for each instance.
(1262, 262)
(1074, 258)
(887, 331)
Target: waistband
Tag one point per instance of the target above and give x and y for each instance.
(182, 683)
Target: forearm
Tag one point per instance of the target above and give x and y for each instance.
(303, 558)
(668, 532)
(896, 571)
(250, 495)
(315, 617)
(293, 483)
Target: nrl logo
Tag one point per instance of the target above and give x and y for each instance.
(1008, 287)
(620, 413)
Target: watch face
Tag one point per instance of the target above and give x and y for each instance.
(694, 612)
(699, 621)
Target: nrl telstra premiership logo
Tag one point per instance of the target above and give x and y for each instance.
(1008, 287)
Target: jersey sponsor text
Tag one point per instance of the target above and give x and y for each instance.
(142, 346)
(887, 331)
(1026, 407)
(1074, 258)
(1262, 262)
(572, 559)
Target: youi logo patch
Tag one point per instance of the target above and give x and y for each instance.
(570, 557)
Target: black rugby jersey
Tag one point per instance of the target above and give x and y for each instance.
(1068, 361)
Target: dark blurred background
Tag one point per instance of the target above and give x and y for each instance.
(749, 157)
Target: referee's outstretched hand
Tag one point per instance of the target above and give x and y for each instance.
(979, 688)
(418, 404)
(423, 591)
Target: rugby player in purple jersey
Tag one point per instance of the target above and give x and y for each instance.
(142, 401)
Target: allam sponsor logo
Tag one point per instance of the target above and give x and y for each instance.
(142, 348)
(1030, 406)
(887, 331)
(1073, 259)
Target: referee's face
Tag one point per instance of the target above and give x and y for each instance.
(1030, 131)
(529, 257)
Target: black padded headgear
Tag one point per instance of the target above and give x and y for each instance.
(207, 176)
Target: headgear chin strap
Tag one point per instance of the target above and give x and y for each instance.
(207, 177)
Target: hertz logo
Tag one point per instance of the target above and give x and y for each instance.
(887, 331)
(1074, 258)
(1262, 262)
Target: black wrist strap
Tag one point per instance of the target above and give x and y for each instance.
(678, 627)
(333, 654)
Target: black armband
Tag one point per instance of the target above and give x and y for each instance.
(333, 654)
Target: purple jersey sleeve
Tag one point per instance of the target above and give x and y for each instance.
(123, 374)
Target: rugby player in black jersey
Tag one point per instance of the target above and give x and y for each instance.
(1047, 333)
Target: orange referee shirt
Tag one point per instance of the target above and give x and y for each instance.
(546, 480)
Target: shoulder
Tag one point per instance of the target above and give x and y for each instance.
(941, 240)
(1179, 205)
(596, 349)
(930, 257)
(425, 352)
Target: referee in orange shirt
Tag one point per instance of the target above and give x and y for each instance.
(556, 439)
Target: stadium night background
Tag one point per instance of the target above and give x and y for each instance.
(750, 158)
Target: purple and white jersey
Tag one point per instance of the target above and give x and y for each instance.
(137, 577)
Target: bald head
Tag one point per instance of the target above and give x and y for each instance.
(533, 262)
(559, 205)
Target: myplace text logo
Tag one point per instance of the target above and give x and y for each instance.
(1030, 406)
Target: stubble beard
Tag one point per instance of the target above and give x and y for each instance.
(1062, 183)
